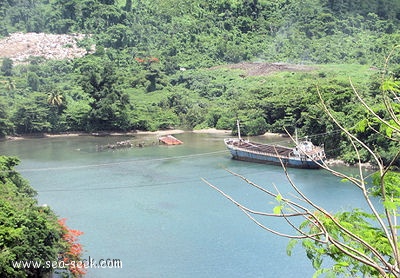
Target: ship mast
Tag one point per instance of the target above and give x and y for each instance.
(238, 128)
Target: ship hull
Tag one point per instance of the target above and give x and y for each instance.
(268, 159)
(268, 154)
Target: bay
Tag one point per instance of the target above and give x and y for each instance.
(149, 208)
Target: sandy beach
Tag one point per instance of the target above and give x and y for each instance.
(213, 131)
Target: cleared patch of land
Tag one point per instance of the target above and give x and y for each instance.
(260, 69)
(20, 46)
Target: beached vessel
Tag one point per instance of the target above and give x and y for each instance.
(169, 140)
(303, 155)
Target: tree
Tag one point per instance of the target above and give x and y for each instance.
(128, 6)
(55, 98)
(6, 126)
(118, 36)
(75, 116)
(7, 66)
(360, 243)
(33, 81)
(32, 115)
(55, 101)
(9, 85)
(108, 103)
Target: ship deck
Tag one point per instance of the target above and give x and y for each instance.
(263, 148)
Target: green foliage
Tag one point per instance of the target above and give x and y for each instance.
(75, 116)
(7, 66)
(33, 81)
(6, 126)
(381, 135)
(32, 114)
(197, 34)
(153, 59)
(155, 68)
(344, 227)
(361, 243)
(387, 188)
(108, 103)
(27, 231)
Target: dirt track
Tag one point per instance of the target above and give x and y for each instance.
(259, 69)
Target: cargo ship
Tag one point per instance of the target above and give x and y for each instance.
(304, 155)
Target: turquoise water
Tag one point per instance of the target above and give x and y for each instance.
(149, 208)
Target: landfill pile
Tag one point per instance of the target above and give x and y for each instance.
(21, 46)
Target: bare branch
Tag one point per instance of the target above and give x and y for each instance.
(307, 214)
(248, 212)
(391, 163)
(355, 254)
(274, 195)
(321, 226)
(383, 135)
(352, 235)
(328, 112)
(304, 236)
(369, 108)
(389, 108)
(392, 242)
(326, 167)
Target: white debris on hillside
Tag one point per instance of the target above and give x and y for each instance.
(20, 46)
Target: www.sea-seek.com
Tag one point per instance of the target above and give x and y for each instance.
(86, 263)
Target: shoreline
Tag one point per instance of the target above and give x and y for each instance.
(158, 133)
(338, 162)
(128, 133)
(103, 133)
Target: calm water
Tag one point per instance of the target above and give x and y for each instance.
(149, 208)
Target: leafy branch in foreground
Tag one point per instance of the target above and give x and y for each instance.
(358, 242)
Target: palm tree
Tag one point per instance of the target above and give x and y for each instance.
(10, 84)
(55, 98)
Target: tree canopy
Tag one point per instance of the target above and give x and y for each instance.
(163, 64)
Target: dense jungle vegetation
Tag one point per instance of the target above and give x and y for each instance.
(155, 65)
(31, 232)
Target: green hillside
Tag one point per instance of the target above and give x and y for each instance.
(204, 33)
(162, 64)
